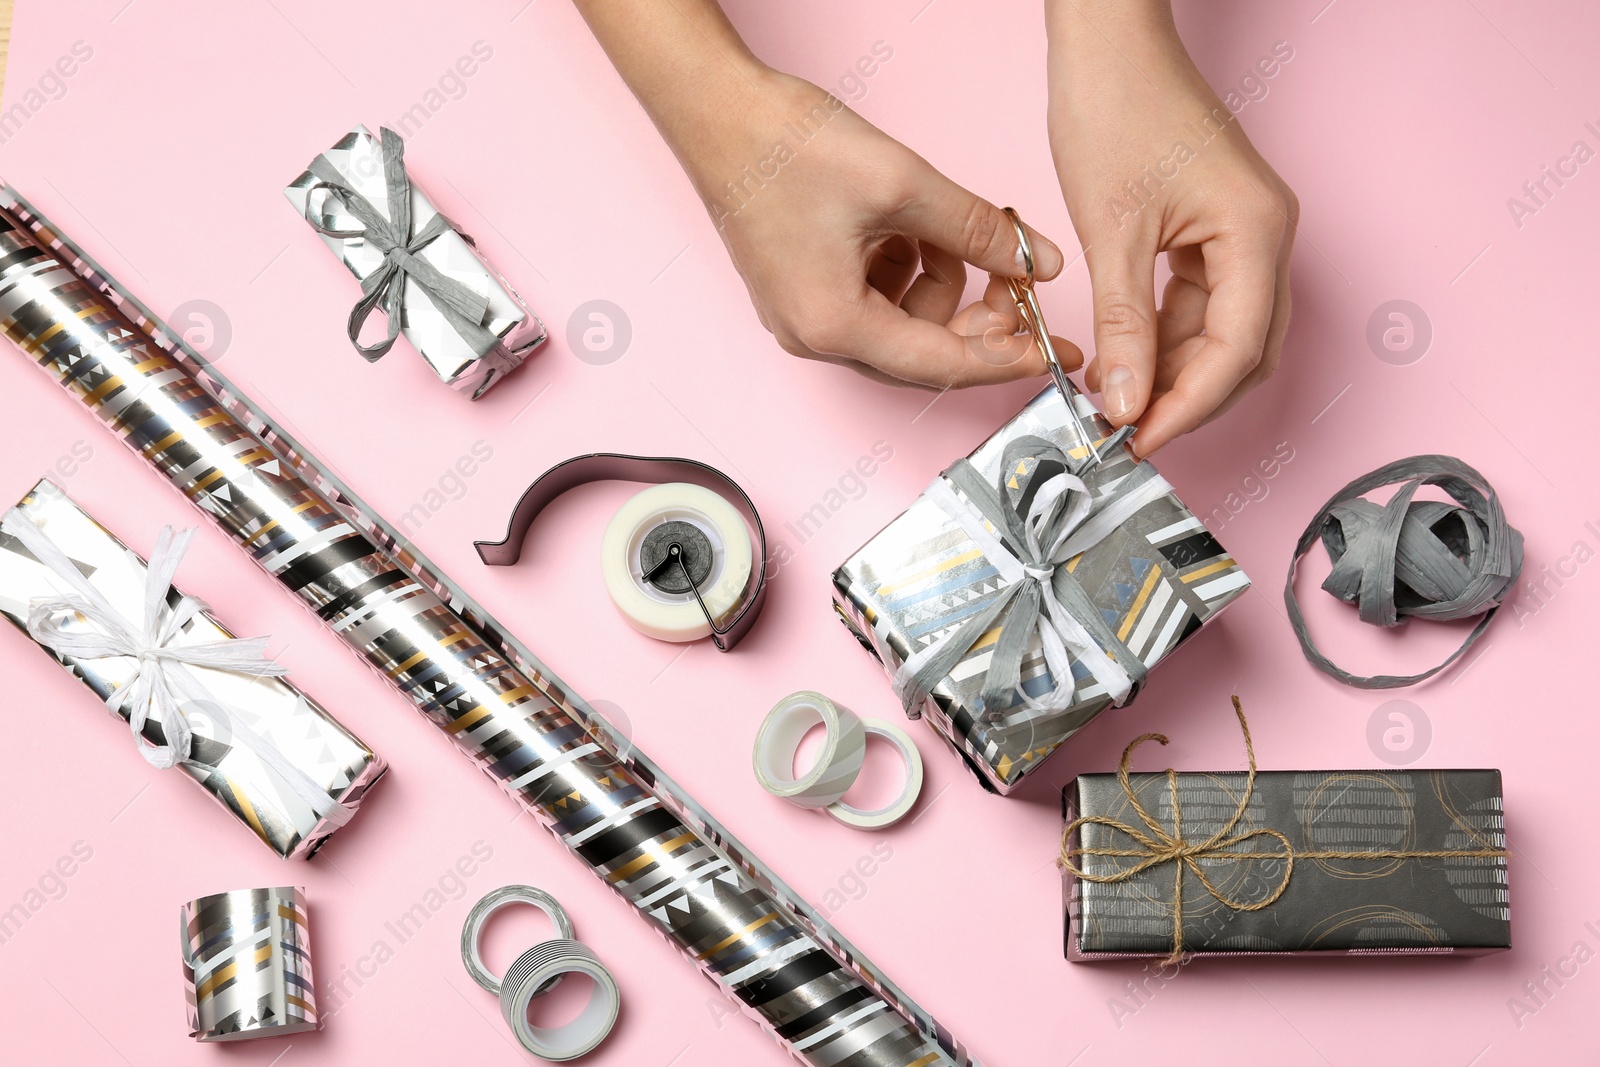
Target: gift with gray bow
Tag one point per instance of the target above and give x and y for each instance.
(415, 265)
(193, 696)
(1033, 585)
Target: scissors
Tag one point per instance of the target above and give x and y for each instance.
(1027, 302)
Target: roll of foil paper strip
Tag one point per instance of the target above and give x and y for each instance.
(640, 832)
(247, 965)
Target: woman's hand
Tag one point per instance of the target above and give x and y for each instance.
(1151, 161)
(853, 247)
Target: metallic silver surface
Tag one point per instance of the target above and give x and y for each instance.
(627, 821)
(301, 730)
(358, 159)
(505, 896)
(247, 965)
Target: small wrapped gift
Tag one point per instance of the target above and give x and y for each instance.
(1290, 862)
(193, 695)
(1032, 586)
(426, 275)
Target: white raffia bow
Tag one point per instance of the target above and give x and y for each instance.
(162, 682)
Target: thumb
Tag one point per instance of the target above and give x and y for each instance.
(944, 214)
(1123, 280)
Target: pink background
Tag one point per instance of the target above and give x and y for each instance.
(1404, 129)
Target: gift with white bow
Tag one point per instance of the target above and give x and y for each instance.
(193, 696)
(1033, 585)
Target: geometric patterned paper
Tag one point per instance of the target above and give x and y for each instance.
(310, 739)
(358, 156)
(822, 1002)
(1155, 580)
(247, 965)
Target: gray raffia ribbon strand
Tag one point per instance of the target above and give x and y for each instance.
(463, 308)
(1409, 557)
(1055, 517)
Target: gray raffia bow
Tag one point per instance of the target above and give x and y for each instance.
(1055, 516)
(1422, 558)
(391, 234)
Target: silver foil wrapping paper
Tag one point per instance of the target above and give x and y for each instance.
(1156, 580)
(332, 757)
(358, 157)
(635, 828)
(247, 965)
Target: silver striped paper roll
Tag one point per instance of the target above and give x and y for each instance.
(640, 832)
(247, 965)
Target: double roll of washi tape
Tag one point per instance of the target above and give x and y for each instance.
(837, 766)
(539, 970)
(247, 965)
(677, 559)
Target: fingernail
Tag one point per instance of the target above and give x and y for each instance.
(1047, 257)
(1117, 390)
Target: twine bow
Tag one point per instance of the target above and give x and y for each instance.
(161, 683)
(464, 309)
(1160, 846)
(1055, 517)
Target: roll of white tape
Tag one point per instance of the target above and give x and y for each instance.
(505, 896)
(896, 810)
(778, 741)
(705, 525)
(537, 968)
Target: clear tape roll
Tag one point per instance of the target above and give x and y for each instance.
(652, 610)
(900, 807)
(778, 741)
(533, 972)
(492, 902)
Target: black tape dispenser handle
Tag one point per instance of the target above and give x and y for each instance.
(614, 466)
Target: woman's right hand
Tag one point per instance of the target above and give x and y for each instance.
(854, 248)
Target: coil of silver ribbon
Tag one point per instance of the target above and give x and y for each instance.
(247, 965)
(626, 819)
(1411, 558)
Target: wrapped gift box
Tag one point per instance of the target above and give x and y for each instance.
(1154, 580)
(357, 161)
(334, 759)
(1398, 902)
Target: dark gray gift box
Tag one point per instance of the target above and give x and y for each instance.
(1400, 904)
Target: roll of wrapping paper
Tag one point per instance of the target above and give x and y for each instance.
(629, 822)
(247, 965)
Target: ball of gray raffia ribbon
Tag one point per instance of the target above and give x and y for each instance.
(1423, 558)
